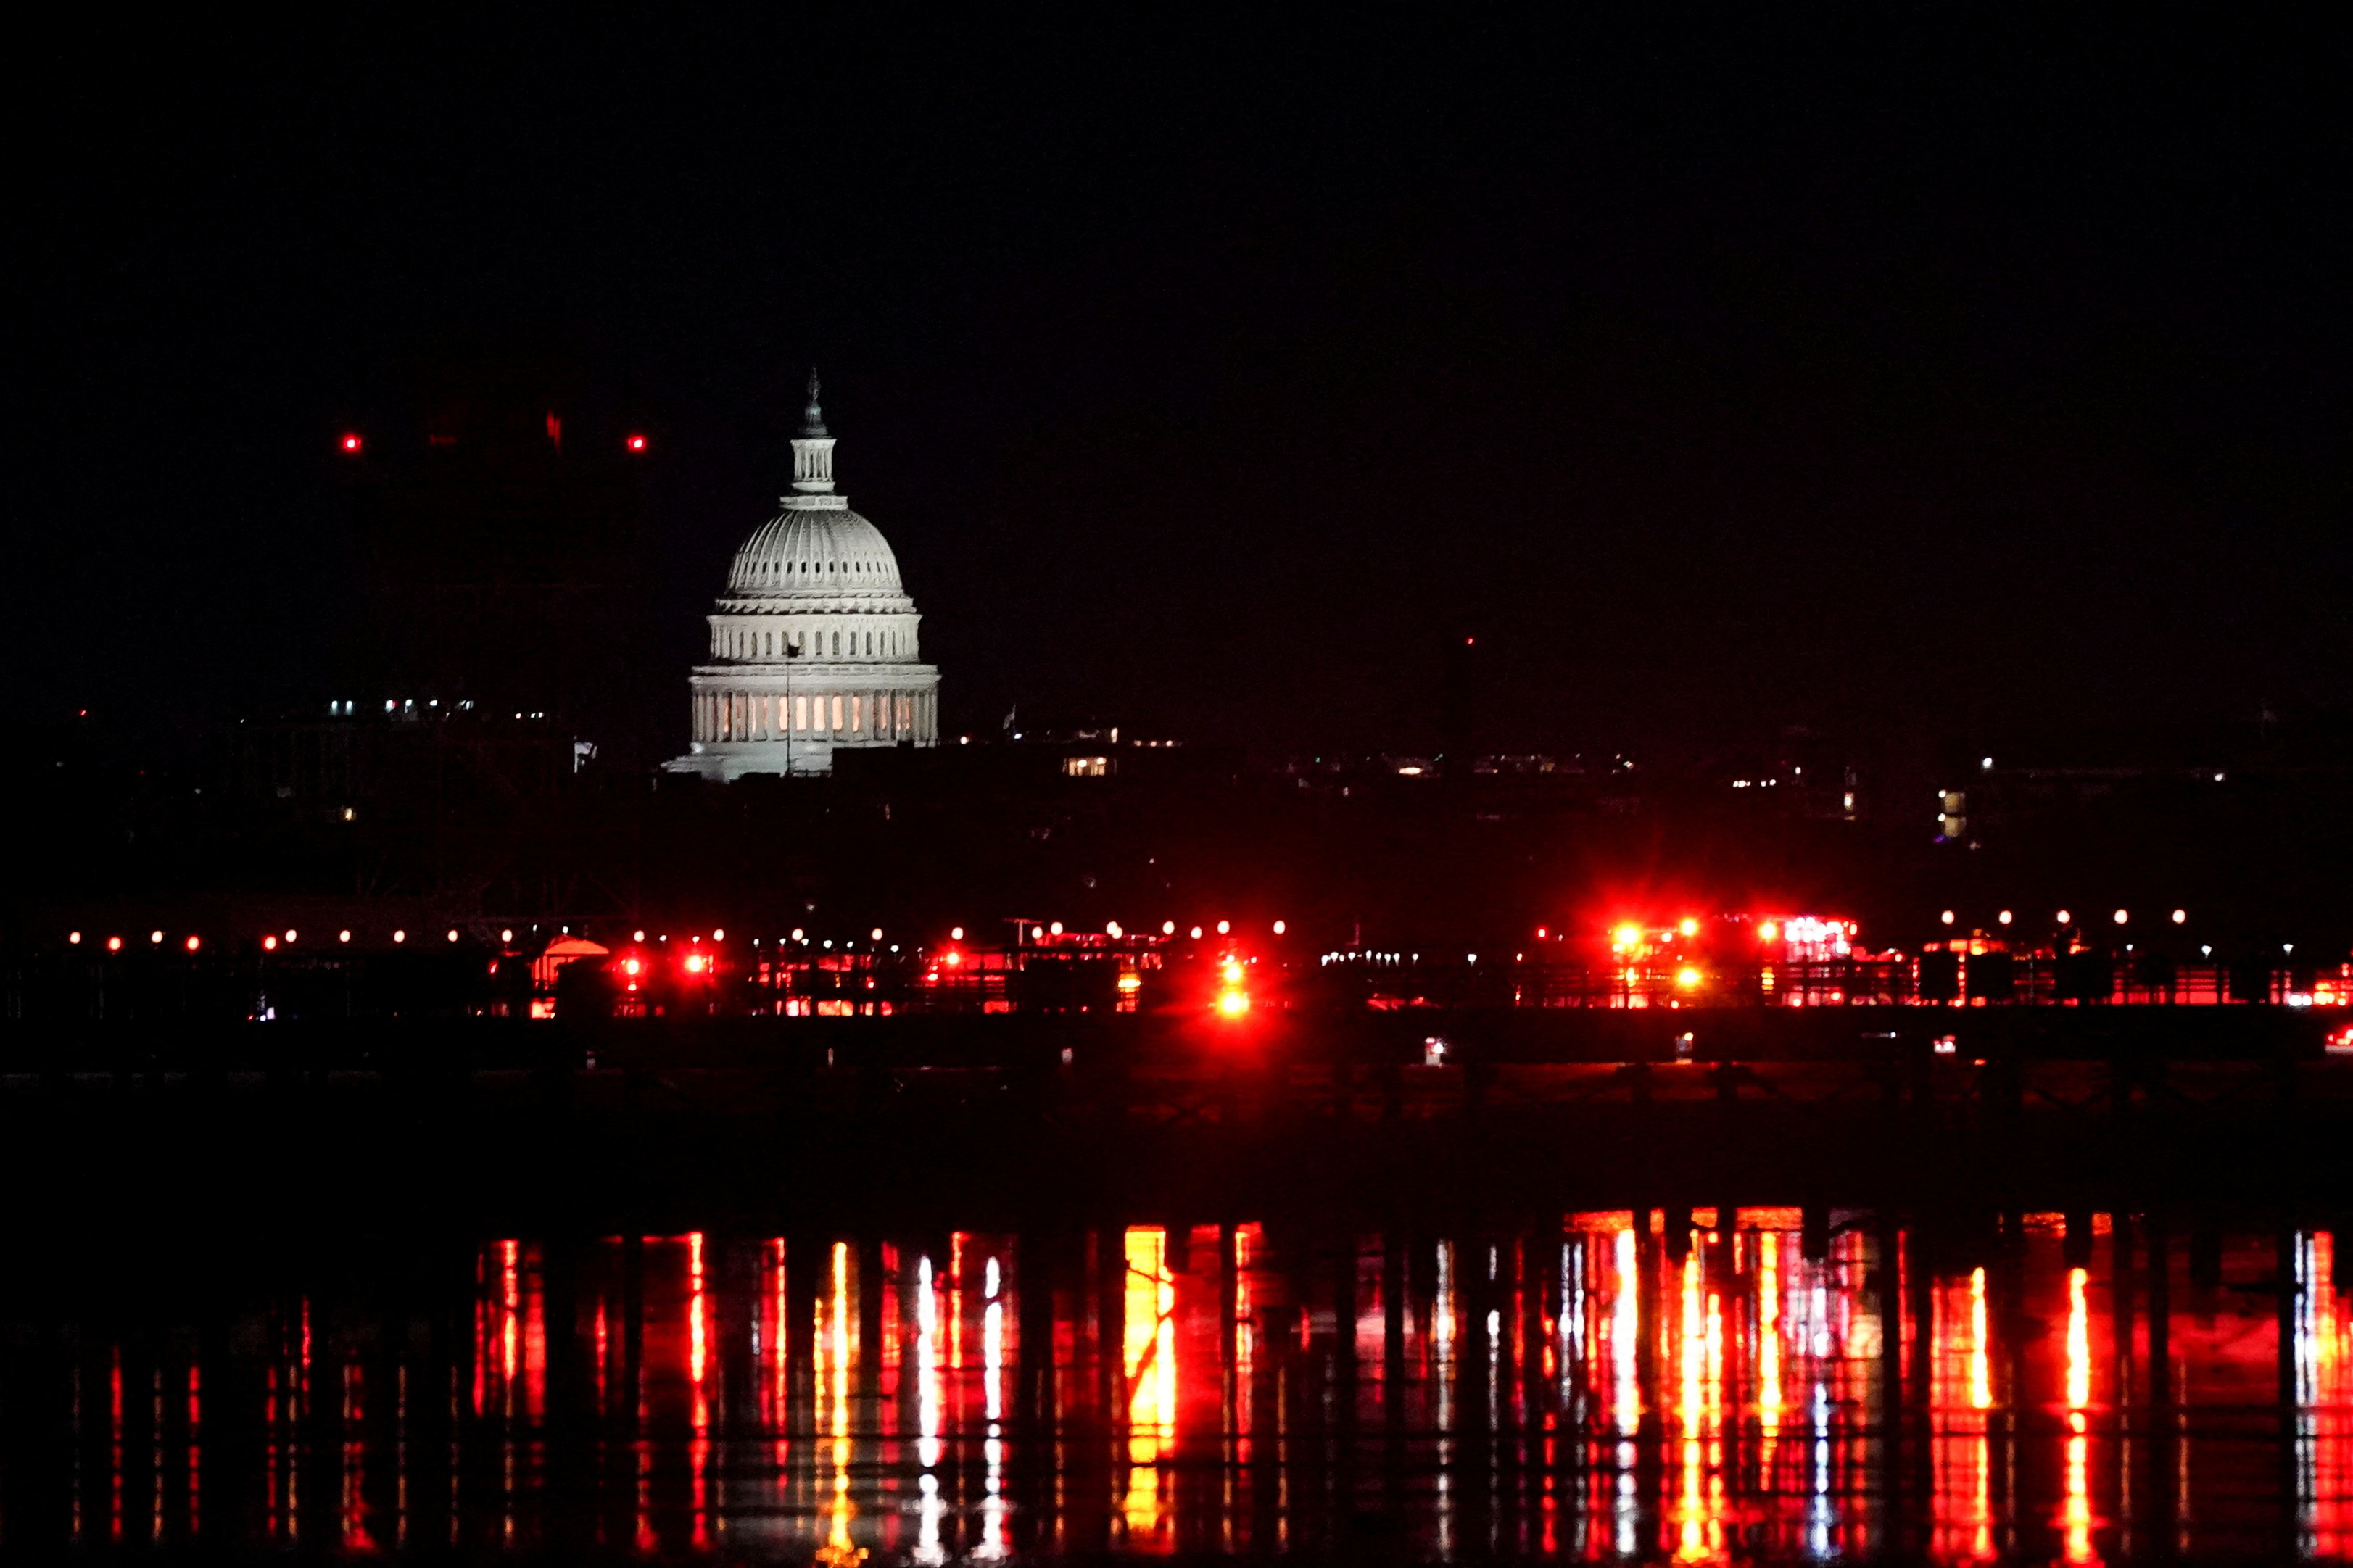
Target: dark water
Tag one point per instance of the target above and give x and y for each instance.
(1585, 1388)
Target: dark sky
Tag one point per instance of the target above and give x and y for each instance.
(1886, 371)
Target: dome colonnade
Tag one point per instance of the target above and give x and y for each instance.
(814, 644)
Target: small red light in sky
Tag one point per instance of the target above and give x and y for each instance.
(637, 443)
(192, 945)
(351, 442)
(114, 944)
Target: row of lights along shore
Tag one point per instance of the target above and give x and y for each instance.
(2063, 916)
(272, 941)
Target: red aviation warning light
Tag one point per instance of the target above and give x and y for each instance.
(351, 442)
(636, 443)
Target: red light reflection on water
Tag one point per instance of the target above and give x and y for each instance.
(1598, 1389)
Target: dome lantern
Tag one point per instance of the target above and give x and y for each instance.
(813, 448)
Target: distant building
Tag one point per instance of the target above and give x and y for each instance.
(812, 646)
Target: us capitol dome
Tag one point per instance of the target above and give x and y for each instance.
(812, 646)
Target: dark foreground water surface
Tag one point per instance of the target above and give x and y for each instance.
(2035, 1387)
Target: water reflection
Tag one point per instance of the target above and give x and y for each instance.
(1668, 1385)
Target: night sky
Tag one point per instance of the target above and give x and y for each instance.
(1890, 373)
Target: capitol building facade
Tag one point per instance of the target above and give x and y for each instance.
(812, 646)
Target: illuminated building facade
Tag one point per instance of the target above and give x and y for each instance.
(812, 646)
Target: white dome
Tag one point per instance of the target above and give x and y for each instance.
(815, 646)
(817, 552)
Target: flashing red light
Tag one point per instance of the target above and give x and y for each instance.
(114, 944)
(1233, 1004)
(351, 442)
(632, 966)
(637, 443)
(193, 944)
(953, 960)
(269, 944)
(696, 963)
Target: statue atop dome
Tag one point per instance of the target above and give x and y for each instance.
(812, 417)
